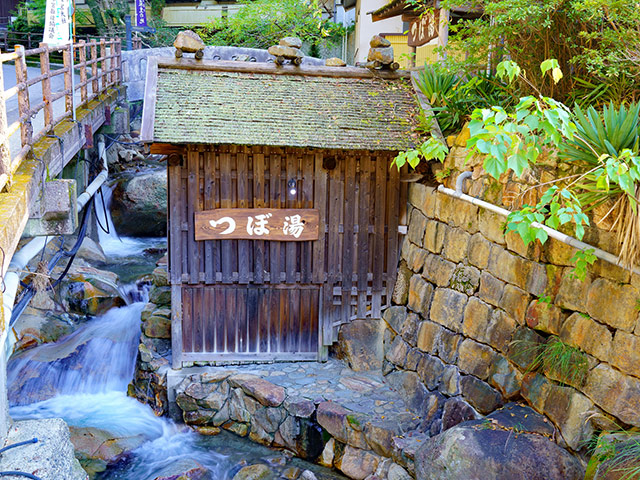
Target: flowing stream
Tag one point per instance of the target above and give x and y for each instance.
(83, 379)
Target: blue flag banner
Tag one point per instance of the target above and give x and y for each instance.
(141, 13)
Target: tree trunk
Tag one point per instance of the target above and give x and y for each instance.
(95, 8)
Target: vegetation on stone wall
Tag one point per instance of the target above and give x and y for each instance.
(559, 360)
(601, 152)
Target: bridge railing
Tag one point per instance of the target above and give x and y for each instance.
(99, 67)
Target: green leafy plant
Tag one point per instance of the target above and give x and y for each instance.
(591, 39)
(602, 150)
(432, 149)
(444, 173)
(582, 259)
(606, 148)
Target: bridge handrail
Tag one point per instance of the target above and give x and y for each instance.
(106, 72)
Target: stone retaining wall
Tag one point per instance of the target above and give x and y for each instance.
(467, 300)
(319, 431)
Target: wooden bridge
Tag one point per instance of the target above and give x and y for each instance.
(47, 115)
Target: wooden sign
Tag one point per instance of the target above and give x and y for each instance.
(423, 29)
(283, 225)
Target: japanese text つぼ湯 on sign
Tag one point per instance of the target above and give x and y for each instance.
(257, 224)
(423, 29)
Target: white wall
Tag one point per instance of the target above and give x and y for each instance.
(365, 28)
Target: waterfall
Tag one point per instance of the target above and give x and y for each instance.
(112, 244)
(95, 359)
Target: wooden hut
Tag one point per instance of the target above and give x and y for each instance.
(285, 218)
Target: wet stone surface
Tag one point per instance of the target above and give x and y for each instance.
(322, 412)
(361, 392)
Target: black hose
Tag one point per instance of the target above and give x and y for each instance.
(16, 473)
(19, 444)
(104, 211)
(29, 292)
(19, 474)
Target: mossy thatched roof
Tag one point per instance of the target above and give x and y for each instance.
(250, 108)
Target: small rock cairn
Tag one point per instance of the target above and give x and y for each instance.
(381, 55)
(288, 49)
(188, 41)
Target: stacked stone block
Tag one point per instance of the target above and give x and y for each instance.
(322, 431)
(149, 384)
(466, 295)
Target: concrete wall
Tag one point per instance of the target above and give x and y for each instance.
(134, 63)
(469, 301)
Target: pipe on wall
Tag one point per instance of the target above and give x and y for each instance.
(22, 257)
(555, 234)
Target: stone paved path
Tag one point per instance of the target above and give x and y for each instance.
(361, 392)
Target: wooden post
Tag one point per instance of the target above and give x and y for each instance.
(414, 53)
(26, 129)
(68, 83)
(103, 65)
(5, 153)
(443, 32)
(46, 86)
(112, 61)
(82, 65)
(119, 61)
(95, 86)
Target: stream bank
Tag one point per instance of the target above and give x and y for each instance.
(75, 349)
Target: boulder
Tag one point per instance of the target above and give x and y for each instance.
(254, 472)
(379, 42)
(89, 291)
(335, 62)
(513, 442)
(360, 344)
(139, 206)
(51, 457)
(293, 42)
(265, 392)
(286, 53)
(96, 449)
(383, 55)
(35, 327)
(91, 251)
(186, 469)
(188, 41)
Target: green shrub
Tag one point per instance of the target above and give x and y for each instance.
(589, 38)
(262, 23)
(453, 98)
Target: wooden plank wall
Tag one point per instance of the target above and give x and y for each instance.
(353, 264)
(240, 321)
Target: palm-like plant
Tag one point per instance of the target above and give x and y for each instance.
(612, 133)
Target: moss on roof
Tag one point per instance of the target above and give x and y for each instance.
(216, 107)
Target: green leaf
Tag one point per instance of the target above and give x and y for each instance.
(542, 235)
(518, 163)
(508, 69)
(494, 166)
